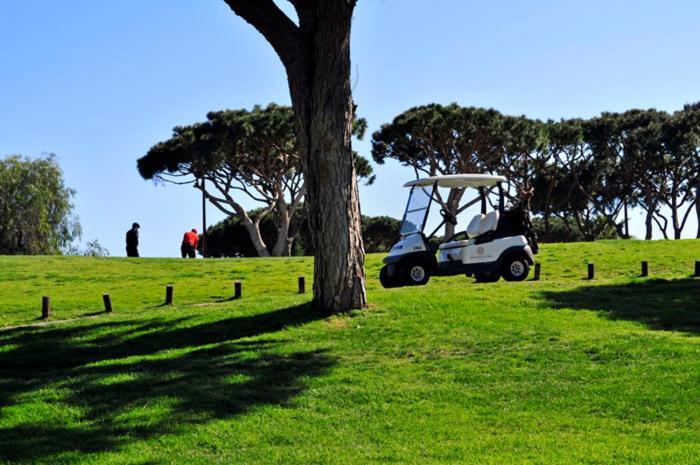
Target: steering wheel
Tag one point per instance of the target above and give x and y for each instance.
(448, 217)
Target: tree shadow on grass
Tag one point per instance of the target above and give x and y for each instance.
(672, 305)
(134, 380)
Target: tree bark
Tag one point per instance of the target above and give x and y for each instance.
(452, 206)
(649, 201)
(282, 247)
(697, 210)
(677, 229)
(323, 104)
(648, 224)
(253, 228)
(316, 56)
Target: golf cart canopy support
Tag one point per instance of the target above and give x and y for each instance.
(424, 193)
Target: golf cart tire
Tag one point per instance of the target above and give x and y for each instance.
(515, 267)
(491, 277)
(387, 281)
(414, 273)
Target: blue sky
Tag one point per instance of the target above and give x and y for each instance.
(99, 82)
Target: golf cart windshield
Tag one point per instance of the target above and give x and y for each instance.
(417, 209)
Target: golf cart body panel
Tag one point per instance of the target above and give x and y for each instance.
(467, 257)
(496, 244)
(408, 244)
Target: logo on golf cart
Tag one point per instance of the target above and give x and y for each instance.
(480, 251)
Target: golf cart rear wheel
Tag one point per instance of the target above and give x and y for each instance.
(415, 274)
(515, 268)
(487, 277)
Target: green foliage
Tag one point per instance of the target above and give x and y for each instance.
(437, 139)
(559, 231)
(556, 371)
(583, 171)
(94, 249)
(35, 207)
(379, 233)
(229, 238)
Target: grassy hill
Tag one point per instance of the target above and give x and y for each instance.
(563, 370)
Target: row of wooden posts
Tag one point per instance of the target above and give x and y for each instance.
(591, 270)
(238, 288)
(169, 292)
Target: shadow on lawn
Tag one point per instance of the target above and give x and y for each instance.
(214, 376)
(672, 305)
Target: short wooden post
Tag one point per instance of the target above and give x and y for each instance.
(537, 272)
(108, 302)
(237, 290)
(697, 269)
(45, 307)
(168, 295)
(645, 269)
(591, 271)
(302, 285)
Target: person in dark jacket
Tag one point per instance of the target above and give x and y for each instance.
(189, 244)
(132, 241)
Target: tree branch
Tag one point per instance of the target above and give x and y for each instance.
(273, 24)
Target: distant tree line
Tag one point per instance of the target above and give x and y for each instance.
(229, 238)
(586, 173)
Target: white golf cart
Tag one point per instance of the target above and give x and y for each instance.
(494, 245)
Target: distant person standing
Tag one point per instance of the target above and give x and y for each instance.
(132, 241)
(189, 244)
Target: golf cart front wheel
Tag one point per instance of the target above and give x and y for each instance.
(386, 280)
(415, 274)
(515, 268)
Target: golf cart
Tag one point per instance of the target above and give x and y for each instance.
(494, 245)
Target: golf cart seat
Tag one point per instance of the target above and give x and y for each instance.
(489, 223)
(474, 227)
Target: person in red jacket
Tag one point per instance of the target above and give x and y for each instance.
(189, 244)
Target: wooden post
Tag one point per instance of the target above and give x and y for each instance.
(697, 269)
(537, 272)
(591, 271)
(237, 290)
(168, 295)
(302, 285)
(108, 302)
(45, 307)
(645, 269)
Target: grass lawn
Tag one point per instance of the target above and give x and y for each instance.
(563, 370)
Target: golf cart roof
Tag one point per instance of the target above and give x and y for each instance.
(458, 180)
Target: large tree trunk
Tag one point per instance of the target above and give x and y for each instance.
(322, 99)
(316, 56)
